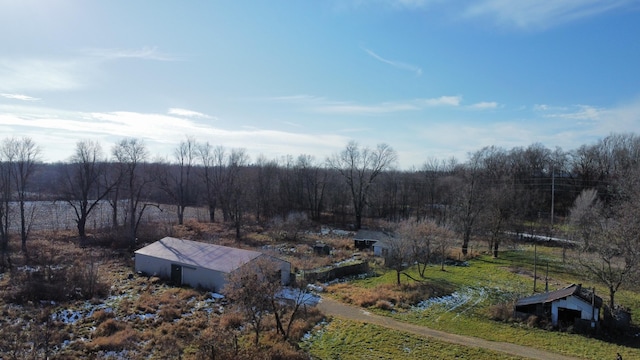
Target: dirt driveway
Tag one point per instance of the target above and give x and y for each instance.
(337, 309)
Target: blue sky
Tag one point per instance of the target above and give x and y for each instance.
(431, 78)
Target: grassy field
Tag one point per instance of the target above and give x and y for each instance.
(345, 340)
(480, 288)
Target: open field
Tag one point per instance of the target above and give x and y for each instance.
(134, 317)
(480, 289)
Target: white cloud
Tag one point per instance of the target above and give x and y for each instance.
(19, 97)
(397, 64)
(146, 52)
(442, 101)
(366, 109)
(541, 14)
(388, 107)
(322, 105)
(160, 132)
(483, 105)
(188, 113)
(20, 75)
(579, 112)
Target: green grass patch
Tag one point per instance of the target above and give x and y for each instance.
(345, 340)
(487, 282)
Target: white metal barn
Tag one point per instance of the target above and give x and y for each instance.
(197, 264)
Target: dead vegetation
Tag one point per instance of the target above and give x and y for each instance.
(67, 301)
(386, 296)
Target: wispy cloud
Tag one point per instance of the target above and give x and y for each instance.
(397, 64)
(159, 131)
(578, 112)
(323, 105)
(19, 97)
(366, 109)
(188, 113)
(537, 14)
(442, 101)
(484, 105)
(146, 52)
(26, 74)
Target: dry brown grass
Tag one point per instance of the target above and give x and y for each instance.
(120, 340)
(502, 312)
(102, 315)
(168, 332)
(109, 327)
(384, 296)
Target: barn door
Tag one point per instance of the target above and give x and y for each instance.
(176, 274)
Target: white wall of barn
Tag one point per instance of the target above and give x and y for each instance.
(191, 275)
(574, 303)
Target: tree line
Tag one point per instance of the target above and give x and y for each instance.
(495, 190)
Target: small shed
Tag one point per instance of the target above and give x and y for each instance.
(322, 249)
(566, 305)
(196, 263)
(365, 239)
(381, 248)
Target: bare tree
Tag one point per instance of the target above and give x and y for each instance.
(360, 167)
(206, 154)
(22, 156)
(265, 187)
(84, 182)
(418, 238)
(314, 181)
(221, 177)
(131, 155)
(442, 241)
(5, 207)
(609, 240)
(252, 290)
(468, 202)
(176, 181)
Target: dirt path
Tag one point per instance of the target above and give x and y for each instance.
(334, 308)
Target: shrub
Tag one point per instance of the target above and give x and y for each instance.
(532, 321)
(109, 327)
(102, 315)
(384, 305)
(501, 312)
(119, 340)
(169, 313)
(231, 320)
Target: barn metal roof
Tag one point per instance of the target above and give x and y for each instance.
(371, 235)
(552, 296)
(198, 254)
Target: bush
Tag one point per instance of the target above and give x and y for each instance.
(169, 313)
(57, 282)
(109, 327)
(119, 340)
(384, 305)
(501, 312)
(102, 315)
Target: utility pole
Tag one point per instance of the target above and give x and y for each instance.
(535, 265)
(553, 191)
(546, 279)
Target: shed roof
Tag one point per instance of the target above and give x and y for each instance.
(552, 296)
(209, 256)
(371, 235)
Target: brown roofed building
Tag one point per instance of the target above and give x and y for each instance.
(565, 305)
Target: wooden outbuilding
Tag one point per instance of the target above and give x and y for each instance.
(564, 306)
